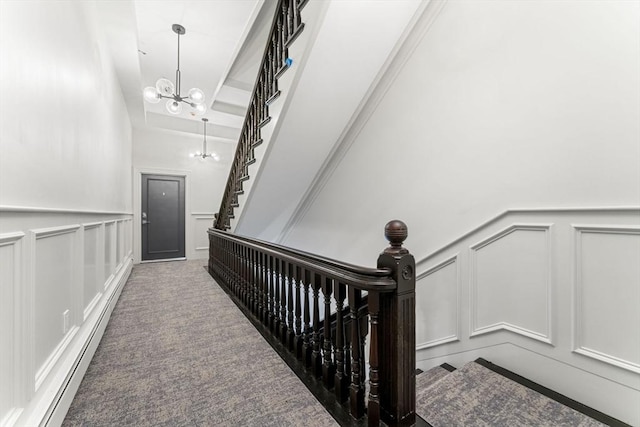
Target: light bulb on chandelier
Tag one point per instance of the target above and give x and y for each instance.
(166, 89)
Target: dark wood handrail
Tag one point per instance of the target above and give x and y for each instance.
(285, 290)
(363, 278)
(286, 27)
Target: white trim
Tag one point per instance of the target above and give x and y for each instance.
(578, 347)
(15, 339)
(454, 259)
(36, 209)
(202, 216)
(514, 211)
(437, 342)
(137, 206)
(607, 358)
(43, 373)
(89, 225)
(151, 261)
(94, 302)
(511, 328)
(476, 330)
(10, 238)
(41, 233)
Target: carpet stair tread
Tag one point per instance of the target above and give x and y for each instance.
(428, 378)
(475, 395)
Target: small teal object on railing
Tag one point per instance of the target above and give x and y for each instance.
(289, 61)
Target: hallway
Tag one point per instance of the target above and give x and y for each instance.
(178, 352)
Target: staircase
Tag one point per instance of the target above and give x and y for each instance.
(483, 394)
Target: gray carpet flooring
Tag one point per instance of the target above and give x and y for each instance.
(178, 352)
(476, 396)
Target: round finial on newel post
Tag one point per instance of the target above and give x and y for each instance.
(396, 233)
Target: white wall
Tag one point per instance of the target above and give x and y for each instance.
(501, 105)
(65, 202)
(499, 112)
(167, 152)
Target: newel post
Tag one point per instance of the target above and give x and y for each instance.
(397, 343)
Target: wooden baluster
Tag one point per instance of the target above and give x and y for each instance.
(296, 15)
(316, 356)
(236, 265)
(257, 284)
(291, 10)
(293, 282)
(283, 302)
(251, 283)
(254, 282)
(306, 329)
(245, 282)
(272, 301)
(297, 340)
(373, 407)
(285, 20)
(257, 258)
(356, 398)
(328, 367)
(228, 259)
(278, 45)
(236, 271)
(239, 272)
(341, 380)
(276, 285)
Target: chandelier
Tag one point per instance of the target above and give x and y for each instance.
(166, 89)
(204, 154)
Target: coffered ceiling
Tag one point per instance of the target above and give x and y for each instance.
(219, 53)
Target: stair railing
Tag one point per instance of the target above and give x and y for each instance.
(287, 25)
(283, 292)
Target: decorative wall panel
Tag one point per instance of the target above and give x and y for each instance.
(437, 304)
(510, 282)
(54, 309)
(120, 243)
(93, 266)
(200, 237)
(10, 283)
(607, 294)
(110, 243)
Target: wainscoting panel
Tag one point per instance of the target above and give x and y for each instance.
(608, 294)
(200, 223)
(120, 244)
(128, 238)
(437, 302)
(93, 267)
(10, 284)
(510, 282)
(54, 270)
(110, 243)
(53, 304)
(557, 290)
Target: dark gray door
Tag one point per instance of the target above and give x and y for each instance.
(162, 217)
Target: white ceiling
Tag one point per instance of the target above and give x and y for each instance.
(219, 53)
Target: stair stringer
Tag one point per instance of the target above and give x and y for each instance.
(312, 16)
(483, 295)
